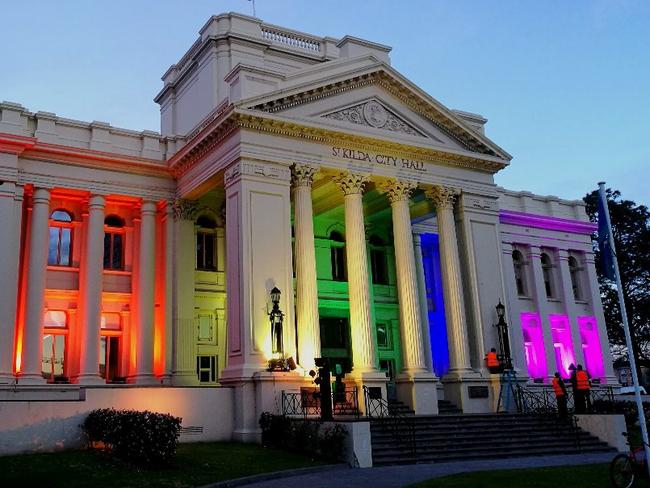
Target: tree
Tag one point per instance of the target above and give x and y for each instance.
(631, 230)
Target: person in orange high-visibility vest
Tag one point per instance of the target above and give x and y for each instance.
(492, 361)
(583, 386)
(560, 395)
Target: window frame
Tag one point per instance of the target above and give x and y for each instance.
(56, 331)
(547, 274)
(60, 225)
(519, 265)
(574, 275)
(212, 369)
(338, 256)
(378, 254)
(111, 231)
(202, 233)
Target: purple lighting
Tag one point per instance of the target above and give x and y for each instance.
(531, 326)
(544, 222)
(562, 343)
(591, 346)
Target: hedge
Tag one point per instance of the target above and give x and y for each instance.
(142, 438)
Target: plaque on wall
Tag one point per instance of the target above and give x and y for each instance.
(478, 391)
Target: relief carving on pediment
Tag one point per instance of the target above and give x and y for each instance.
(374, 114)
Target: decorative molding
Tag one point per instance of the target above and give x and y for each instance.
(247, 168)
(184, 209)
(397, 190)
(374, 114)
(303, 174)
(351, 183)
(548, 223)
(443, 196)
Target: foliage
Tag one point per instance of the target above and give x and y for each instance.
(624, 407)
(305, 436)
(142, 438)
(631, 230)
(196, 464)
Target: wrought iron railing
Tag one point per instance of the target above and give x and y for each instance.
(542, 400)
(302, 404)
(401, 427)
(346, 402)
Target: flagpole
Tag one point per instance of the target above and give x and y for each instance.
(626, 327)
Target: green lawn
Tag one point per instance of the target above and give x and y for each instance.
(196, 464)
(587, 476)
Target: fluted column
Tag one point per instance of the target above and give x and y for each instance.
(32, 349)
(91, 294)
(570, 304)
(539, 295)
(399, 192)
(364, 355)
(305, 258)
(444, 199)
(11, 199)
(146, 275)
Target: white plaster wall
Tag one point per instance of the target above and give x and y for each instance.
(27, 426)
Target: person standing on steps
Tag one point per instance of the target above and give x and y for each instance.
(492, 361)
(560, 396)
(584, 387)
(578, 402)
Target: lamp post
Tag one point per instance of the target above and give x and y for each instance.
(504, 341)
(276, 317)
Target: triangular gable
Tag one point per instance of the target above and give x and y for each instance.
(336, 77)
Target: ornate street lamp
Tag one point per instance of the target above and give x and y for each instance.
(276, 318)
(504, 341)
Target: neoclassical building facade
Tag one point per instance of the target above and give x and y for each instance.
(296, 162)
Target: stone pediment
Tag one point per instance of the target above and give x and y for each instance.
(373, 113)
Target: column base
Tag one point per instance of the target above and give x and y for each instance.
(419, 392)
(7, 379)
(30, 379)
(146, 379)
(88, 379)
(470, 392)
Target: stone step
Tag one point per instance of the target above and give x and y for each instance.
(388, 437)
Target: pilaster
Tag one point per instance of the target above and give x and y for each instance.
(534, 257)
(569, 304)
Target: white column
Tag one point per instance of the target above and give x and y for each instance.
(399, 193)
(168, 314)
(444, 199)
(424, 310)
(91, 294)
(146, 276)
(184, 360)
(364, 355)
(570, 304)
(539, 289)
(32, 350)
(305, 258)
(11, 199)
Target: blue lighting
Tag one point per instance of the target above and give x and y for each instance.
(435, 304)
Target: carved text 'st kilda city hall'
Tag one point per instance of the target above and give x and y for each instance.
(298, 163)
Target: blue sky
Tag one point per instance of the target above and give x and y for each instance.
(565, 85)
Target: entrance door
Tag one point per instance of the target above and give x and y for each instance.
(335, 342)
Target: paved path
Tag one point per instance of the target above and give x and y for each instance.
(397, 476)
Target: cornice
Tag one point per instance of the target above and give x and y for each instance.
(545, 222)
(13, 144)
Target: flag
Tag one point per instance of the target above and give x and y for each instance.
(604, 231)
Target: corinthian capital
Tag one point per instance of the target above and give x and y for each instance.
(442, 196)
(303, 174)
(184, 209)
(351, 183)
(397, 190)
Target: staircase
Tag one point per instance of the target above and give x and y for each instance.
(453, 437)
(445, 407)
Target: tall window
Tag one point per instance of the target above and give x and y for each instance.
(113, 242)
(337, 254)
(60, 249)
(378, 261)
(520, 272)
(547, 273)
(109, 344)
(206, 259)
(55, 330)
(574, 272)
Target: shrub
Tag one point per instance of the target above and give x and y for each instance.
(142, 438)
(304, 436)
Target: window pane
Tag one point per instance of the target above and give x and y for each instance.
(66, 241)
(46, 364)
(102, 356)
(107, 250)
(53, 254)
(200, 250)
(61, 216)
(111, 321)
(55, 318)
(209, 251)
(382, 335)
(59, 354)
(117, 251)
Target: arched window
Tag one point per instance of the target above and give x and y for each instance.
(520, 272)
(113, 242)
(378, 260)
(206, 249)
(337, 255)
(574, 272)
(547, 273)
(60, 247)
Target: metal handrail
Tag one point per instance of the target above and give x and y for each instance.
(308, 403)
(541, 399)
(401, 427)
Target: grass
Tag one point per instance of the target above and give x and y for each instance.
(196, 464)
(585, 476)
